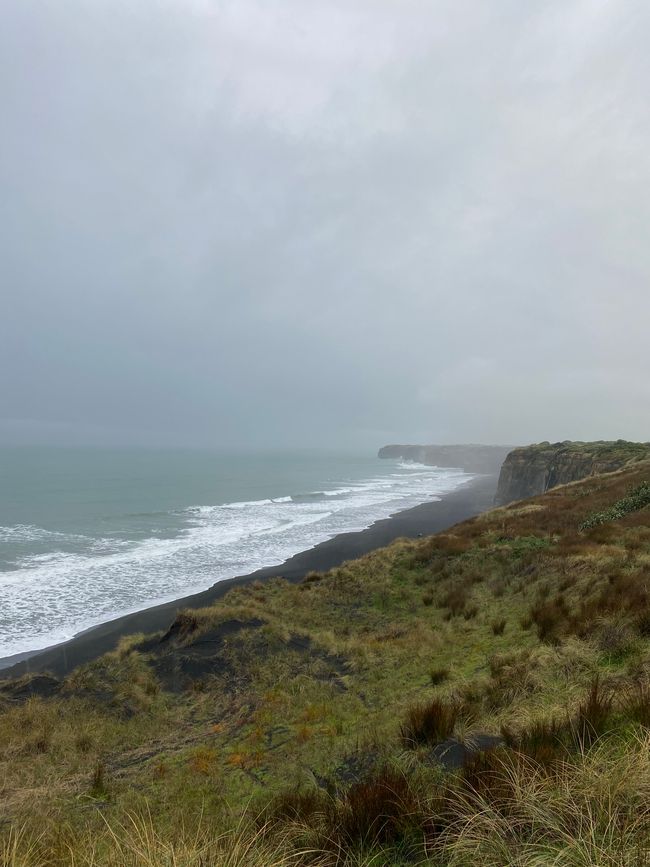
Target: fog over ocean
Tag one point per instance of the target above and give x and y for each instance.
(90, 534)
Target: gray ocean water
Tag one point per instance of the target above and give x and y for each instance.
(91, 534)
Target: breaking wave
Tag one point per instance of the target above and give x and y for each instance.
(57, 584)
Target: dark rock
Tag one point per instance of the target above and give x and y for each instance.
(453, 754)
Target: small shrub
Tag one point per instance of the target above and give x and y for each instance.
(637, 498)
(498, 626)
(428, 723)
(427, 598)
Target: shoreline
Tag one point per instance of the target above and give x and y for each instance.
(470, 499)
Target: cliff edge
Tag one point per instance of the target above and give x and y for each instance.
(533, 470)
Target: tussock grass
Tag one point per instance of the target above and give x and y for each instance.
(429, 722)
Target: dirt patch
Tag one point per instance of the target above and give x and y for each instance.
(41, 685)
(453, 754)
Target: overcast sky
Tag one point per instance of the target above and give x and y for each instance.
(345, 222)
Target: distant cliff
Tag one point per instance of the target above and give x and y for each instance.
(471, 458)
(532, 470)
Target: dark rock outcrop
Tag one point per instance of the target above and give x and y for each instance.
(533, 470)
(471, 458)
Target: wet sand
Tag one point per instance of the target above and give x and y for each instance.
(469, 500)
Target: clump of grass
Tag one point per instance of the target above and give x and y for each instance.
(185, 624)
(593, 716)
(313, 577)
(642, 623)
(637, 705)
(379, 810)
(484, 776)
(98, 782)
(438, 675)
(543, 741)
(498, 626)
(455, 600)
(550, 618)
(427, 598)
(39, 743)
(615, 638)
(295, 805)
(429, 723)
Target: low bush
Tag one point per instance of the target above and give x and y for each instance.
(635, 500)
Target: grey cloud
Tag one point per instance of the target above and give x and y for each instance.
(326, 223)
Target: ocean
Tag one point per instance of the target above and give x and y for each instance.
(87, 535)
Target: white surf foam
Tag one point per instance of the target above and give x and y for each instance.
(51, 596)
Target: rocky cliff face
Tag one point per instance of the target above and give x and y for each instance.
(530, 471)
(471, 458)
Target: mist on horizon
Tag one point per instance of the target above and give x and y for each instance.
(329, 224)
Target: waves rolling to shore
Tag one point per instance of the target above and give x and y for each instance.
(56, 582)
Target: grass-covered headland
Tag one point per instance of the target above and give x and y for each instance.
(477, 697)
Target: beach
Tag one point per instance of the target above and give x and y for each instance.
(470, 499)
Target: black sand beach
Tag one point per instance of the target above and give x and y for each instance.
(469, 500)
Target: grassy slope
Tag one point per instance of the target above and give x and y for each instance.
(283, 687)
(618, 449)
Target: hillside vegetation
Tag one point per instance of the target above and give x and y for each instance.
(535, 469)
(481, 696)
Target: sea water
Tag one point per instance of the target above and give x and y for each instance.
(90, 534)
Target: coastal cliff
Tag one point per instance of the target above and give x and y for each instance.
(533, 470)
(471, 458)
